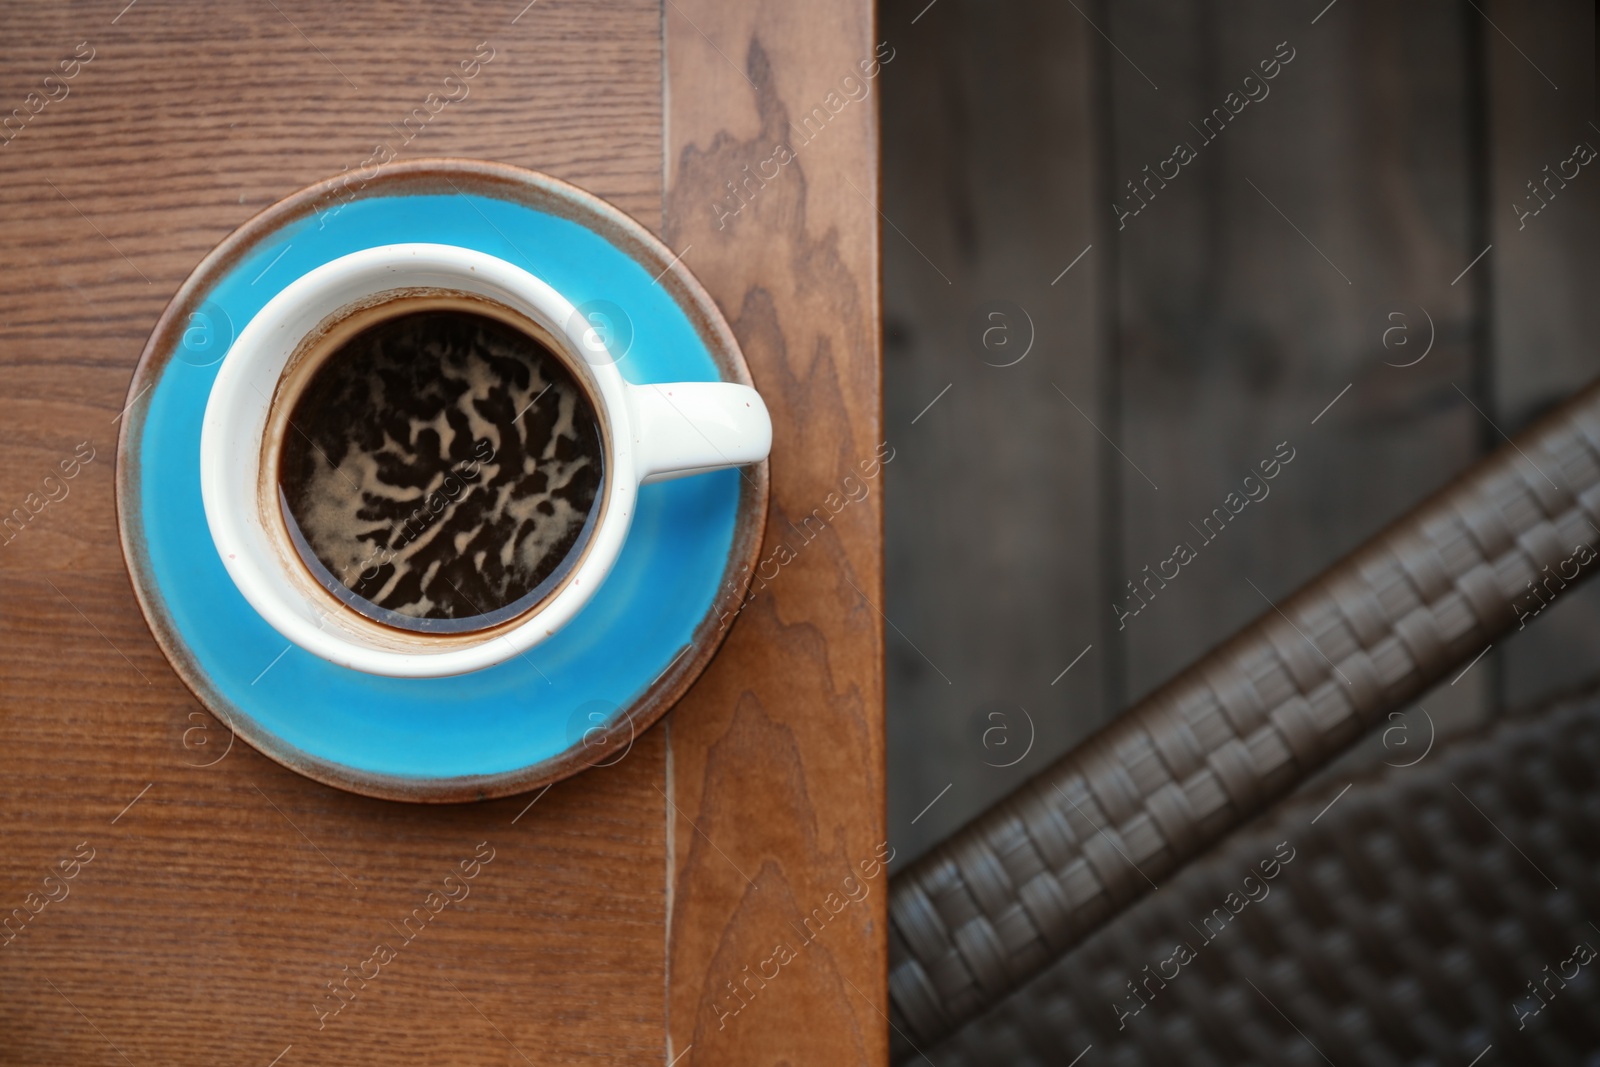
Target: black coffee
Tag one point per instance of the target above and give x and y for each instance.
(440, 470)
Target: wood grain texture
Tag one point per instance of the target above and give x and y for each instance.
(776, 758)
(994, 538)
(215, 909)
(219, 904)
(236, 891)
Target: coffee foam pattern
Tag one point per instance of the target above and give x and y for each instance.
(442, 476)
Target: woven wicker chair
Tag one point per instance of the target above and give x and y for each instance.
(1424, 914)
(1005, 899)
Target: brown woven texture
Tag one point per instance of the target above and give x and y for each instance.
(1008, 894)
(1405, 928)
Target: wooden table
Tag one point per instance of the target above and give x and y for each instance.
(620, 910)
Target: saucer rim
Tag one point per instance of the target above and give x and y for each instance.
(441, 176)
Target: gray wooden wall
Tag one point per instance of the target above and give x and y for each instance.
(1306, 252)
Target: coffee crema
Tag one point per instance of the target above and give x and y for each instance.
(440, 470)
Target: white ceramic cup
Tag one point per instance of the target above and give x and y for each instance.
(648, 432)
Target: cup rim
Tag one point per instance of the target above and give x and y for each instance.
(310, 355)
(268, 571)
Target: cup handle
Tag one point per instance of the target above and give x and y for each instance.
(683, 428)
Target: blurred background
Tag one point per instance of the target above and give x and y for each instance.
(1132, 251)
(1079, 370)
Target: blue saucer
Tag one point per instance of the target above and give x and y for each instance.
(572, 701)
